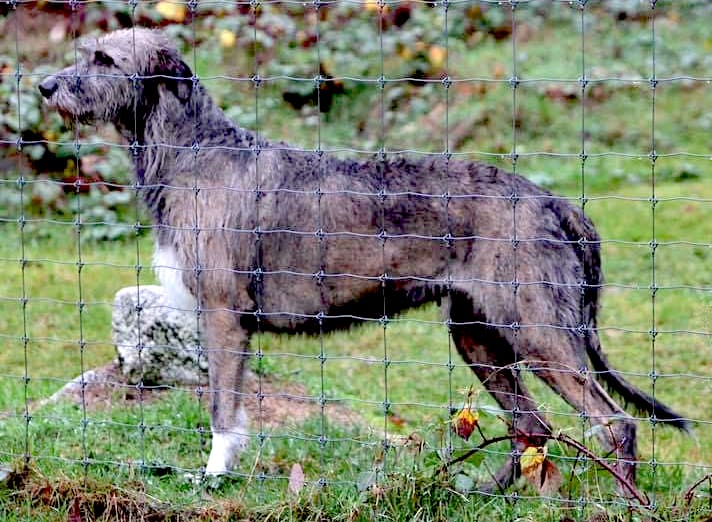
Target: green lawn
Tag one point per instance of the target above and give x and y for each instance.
(353, 374)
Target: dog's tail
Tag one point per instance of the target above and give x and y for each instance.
(629, 393)
(580, 229)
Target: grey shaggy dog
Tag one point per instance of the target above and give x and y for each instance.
(258, 236)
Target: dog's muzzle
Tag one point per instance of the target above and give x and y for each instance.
(48, 87)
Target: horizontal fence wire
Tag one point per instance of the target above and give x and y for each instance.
(372, 400)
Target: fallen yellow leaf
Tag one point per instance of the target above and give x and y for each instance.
(172, 11)
(227, 38)
(437, 55)
(371, 5)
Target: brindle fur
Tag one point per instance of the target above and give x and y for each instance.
(291, 241)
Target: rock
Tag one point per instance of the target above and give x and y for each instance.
(87, 379)
(167, 337)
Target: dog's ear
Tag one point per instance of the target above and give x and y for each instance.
(174, 73)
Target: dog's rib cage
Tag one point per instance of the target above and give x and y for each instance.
(385, 442)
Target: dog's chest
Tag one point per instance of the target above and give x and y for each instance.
(170, 271)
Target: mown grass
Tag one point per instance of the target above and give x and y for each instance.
(144, 450)
(170, 441)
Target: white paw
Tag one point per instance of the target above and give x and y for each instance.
(227, 446)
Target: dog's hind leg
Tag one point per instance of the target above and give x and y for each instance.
(491, 357)
(227, 348)
(557, 356)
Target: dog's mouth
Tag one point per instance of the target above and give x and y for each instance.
(51, 102)
(71, 113)
(70, 117)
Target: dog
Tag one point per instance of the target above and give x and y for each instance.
(259, 236)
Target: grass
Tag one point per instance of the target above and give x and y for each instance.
(133, 457)
(353, 373)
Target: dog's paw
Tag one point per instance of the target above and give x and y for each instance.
(225, 450)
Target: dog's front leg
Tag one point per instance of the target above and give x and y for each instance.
(227, 347)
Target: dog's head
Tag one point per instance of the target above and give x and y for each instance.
(116, 74)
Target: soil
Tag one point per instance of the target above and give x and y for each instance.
(283, 403)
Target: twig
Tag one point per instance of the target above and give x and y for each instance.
(564, 439)
(479, 447)
(691, 491)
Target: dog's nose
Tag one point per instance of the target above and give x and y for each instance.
(48, 87)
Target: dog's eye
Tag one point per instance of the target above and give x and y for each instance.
(101, 58)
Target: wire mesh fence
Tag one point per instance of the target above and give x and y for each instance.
(371, 206)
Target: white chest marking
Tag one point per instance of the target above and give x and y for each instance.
(170, 273)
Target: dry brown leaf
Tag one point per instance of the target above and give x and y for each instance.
(465, 422)
(550, 478)
(75, 512)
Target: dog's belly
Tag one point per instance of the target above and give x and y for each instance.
(169, 271)
(314, 311)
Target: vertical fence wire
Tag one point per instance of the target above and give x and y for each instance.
(138, 150)
(203, 348)
(81, 344)
(259, 269)
(320, 278)
(383, 235)
(653, 246)
(514, 239)
(449, 242)
(21, 222)
(583, 326)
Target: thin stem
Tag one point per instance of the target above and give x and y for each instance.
(566, 440)
(691, 490)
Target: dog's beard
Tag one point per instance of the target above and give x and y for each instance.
(72, 118)
(71, 112)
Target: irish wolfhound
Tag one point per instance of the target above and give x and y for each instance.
(257, 235)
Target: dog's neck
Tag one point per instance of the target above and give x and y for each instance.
(162, 126)
(163, 132)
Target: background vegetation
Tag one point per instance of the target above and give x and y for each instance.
(129, 458)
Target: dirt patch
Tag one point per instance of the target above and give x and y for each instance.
(274, 403)
(90, 500)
